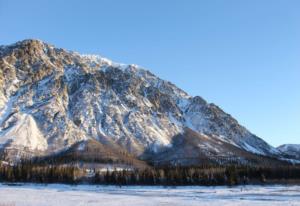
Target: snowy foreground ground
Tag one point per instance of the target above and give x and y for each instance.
(43, 195)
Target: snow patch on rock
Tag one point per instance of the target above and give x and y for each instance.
(24, 133)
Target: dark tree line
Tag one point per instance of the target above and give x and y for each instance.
(38, 174)
(204, 175)
(227, 175)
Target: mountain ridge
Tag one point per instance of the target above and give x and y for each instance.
(290, 150)
(64, 98)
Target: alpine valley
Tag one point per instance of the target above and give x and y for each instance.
(58, 104)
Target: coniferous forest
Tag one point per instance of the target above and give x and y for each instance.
(168, 176)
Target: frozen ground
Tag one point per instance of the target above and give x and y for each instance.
(44, 195)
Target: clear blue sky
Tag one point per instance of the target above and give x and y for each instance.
(243, 55)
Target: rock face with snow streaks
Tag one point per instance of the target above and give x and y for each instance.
(51, 99)
(291, 150)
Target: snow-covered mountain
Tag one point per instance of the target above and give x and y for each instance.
(52, 99)
(292, 150)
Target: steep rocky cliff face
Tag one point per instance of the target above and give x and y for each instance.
(52, 99)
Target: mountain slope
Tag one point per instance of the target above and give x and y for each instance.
(65, 98)
(291, 150)
(192, 148)
(92, 151)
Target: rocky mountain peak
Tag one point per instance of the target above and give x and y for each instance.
(65, 98)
